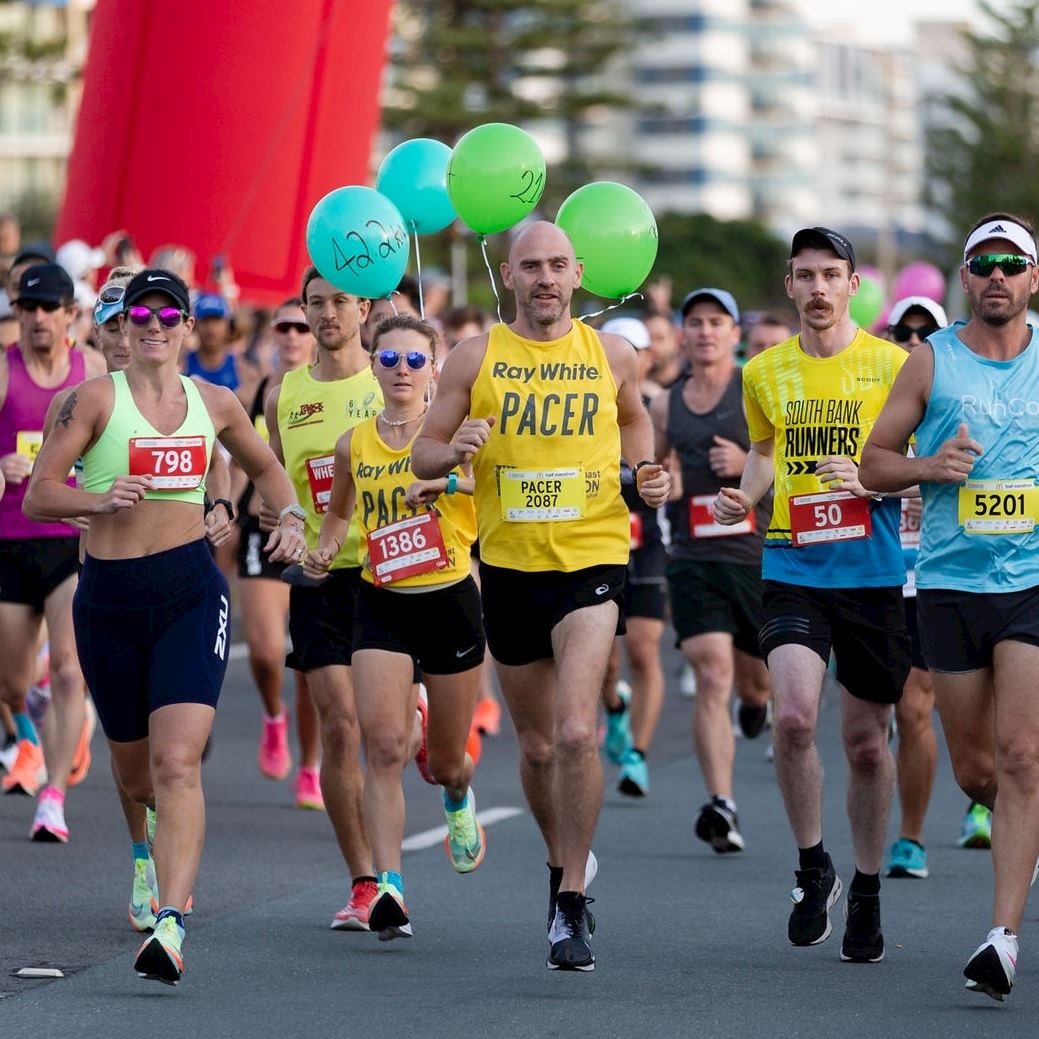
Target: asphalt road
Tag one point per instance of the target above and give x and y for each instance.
(688, 943)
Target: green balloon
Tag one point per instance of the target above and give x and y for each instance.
(868, 303)
(614, 235)
(495, 177)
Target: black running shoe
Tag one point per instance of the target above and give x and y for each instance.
(752, 719)
(718, 825)
(817, 890)
(555, 878)
(863, 942)
(569, 934)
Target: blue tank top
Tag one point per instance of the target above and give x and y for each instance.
(225, 375)
(982, 536)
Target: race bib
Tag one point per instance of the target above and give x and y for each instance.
(174, 463)
(408, 547)
(702, 523)
(999, 506)
(542, 495)
(828, 516)
(909, 527)
(27, 443)
(635, 531)
(320, 472)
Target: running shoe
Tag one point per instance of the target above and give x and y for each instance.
(906, 858)
(993, 967)
(38, 701)
(48, 823)
(618, 726)
(633, 778)
(474, 744)
(273, 755)
(687, 682)
(145, 895)
(487, 717)
(149, 827)
(863, 941)
(816, 893)
(308, 789)
(570, 934)
(718, 825)
(976, 831)
(555, 878)
(751, 719)
(82, 758)
(354, 915)
(466, 842)
(389, 915)
(422, 754)
(27, 772)
(159, 958)
(8, 753)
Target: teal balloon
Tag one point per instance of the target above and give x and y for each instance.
(614, 234)
(414, 178)
(868, 303)
(495, 177)
(357, 240)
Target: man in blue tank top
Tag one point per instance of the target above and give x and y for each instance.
(972, 397)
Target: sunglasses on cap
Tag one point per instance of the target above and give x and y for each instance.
(169, 317)
(391, 358)
(1009, 263)
(30, 306)
(287, 326)
(110, 294)
(903, 333)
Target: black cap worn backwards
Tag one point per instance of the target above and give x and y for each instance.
(155, 280)
(45, 283)
(823, 238)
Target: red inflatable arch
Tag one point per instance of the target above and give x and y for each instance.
(218, 125)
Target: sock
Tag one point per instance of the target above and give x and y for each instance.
(392, 878)
(169, 911)
(619, 709)
(362, 879)
(280, 716)
(24, 729)
(641, 753)
(555, 878)
(140, 850)
(725, 802)
(53, 793)
(865, 883)
(454, 806)
(813, 858)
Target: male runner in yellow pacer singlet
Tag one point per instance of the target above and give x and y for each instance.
(553, 405)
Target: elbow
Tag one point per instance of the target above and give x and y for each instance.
(31, 508)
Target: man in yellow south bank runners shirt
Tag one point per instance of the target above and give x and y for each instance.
(544, 408)
(306, 414)
(833, 573)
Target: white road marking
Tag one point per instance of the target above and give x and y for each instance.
(430, 838)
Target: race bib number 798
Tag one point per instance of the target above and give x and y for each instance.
(173, 463)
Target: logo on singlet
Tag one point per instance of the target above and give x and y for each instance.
(304, 412)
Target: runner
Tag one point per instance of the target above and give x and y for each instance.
(833, 573)
(715, 570)
(553, 405)
(971, 396)
(418, 604)
(152, 610)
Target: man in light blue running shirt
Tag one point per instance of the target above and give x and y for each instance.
(972, 397)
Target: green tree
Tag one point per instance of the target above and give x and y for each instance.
(986, 154)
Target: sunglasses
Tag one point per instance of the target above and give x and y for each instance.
(391, 358)
(903, 333)
(111, 294)
(287, 326)
(169, 317)
(30, 306)
(1009, 263)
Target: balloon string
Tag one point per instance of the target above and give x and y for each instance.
(613, 306)
(494, 287)
(393, 306)
(418, 267)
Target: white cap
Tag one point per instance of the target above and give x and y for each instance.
(79, 259)
(936, 310)
(1007, 231)
(630, 328)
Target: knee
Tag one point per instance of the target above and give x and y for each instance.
(713, 680)
(793, 726)
(138, 789)
(385, 751)
(66, 680)
(178, 766)
(575, 737)
(449, 773)
(537, 751)
(866, 751)
(265, 663)
(1019, 762)
(340, 733)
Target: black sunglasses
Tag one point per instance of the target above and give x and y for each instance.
(1009, 263)
(286, 326)
(903, 333)
(30, 306)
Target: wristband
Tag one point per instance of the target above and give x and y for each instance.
(452, 483)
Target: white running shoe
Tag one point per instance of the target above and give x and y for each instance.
(993, 967)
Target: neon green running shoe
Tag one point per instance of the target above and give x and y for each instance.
(160, 958)
(976, 831)
(466, 841)
(144, 896)
(149, 827)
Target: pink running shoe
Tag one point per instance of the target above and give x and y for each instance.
(49, 822)
(308, 789)
(274, 757)
(422, 755)
(354, 915)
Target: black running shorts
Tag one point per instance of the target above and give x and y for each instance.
(321, 621)
(31, 568)
(722, 597)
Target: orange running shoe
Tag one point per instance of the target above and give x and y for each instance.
(81, 759)
(474, 745)
(354, 915)
(27, 772)
(487, 718)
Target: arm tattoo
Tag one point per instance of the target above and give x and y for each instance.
(65, 415)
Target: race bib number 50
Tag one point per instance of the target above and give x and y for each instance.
(173, 463)
(829, 516)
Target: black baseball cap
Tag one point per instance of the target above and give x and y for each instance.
(45, 283)
(823, 238)
(154, 279)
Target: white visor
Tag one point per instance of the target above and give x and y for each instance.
(1007, 231)
(936, 310)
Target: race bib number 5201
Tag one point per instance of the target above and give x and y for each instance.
(173, 463)
(829, 516)
(999, 506)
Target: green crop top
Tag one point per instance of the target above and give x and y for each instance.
(178, 463)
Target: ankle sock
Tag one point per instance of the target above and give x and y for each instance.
(178, 919)
(140, 850)
(390, 877)
(451, 805)
(24, 729)
(814, 857)
(865, 884)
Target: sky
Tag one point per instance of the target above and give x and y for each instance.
(887, 19)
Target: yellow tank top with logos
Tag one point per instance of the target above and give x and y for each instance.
(382, 476)
(548, 479)
(312, 416)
